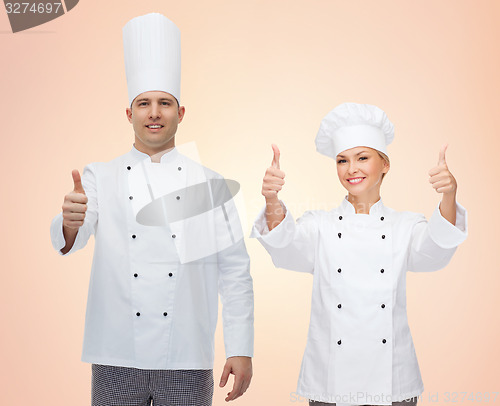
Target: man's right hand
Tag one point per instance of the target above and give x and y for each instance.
(274, 179)
(75, 204)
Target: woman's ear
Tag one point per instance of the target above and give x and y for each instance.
(387, 166)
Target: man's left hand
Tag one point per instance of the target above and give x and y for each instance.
(241, 368)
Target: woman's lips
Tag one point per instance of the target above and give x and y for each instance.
(355, 181)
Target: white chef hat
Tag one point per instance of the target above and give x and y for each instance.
(352, 125)
(152, 49)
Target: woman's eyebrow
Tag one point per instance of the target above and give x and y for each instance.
(360, 152)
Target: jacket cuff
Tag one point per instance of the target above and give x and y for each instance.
(280, 236)
(445, 234)
(239, 341)
(57, 236)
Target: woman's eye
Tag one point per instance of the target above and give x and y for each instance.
(341, 161)
(363, 158)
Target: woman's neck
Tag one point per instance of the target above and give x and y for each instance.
(363, 204)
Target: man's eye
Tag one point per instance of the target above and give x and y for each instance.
(142, 103)
(166, 103)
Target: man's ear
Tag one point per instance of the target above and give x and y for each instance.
(182, 111)
(128, 111)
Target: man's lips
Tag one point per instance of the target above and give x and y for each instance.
(355, 181)
(154, 126)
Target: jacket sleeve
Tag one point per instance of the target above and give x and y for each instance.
(89, 224)
(235, 288)
(292, 245)
(433, 243)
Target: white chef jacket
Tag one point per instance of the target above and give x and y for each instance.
(150, 304)
(359, 347)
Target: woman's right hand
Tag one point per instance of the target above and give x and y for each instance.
(273, 182)
(274, 179)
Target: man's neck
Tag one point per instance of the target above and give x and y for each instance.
(156, 158)
(155, 155)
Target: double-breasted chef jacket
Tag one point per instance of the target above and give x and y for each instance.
(153, 300)
(359, 347)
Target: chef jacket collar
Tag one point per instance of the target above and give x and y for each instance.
(347, 208)
(167, 157)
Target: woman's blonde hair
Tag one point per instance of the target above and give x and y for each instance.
(385, 158)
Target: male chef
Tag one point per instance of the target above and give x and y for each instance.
(167, 242)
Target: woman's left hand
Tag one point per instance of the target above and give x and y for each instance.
(441, 178)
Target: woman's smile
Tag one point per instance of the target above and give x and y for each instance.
(354, 181)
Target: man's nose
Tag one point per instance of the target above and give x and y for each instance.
(155, 111)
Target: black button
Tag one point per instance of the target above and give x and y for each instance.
(138, 314)
(340, 217)
(170, 274)
(133, 236)
(179, 168)
(173, 235)
(339, 305)
(340, 235)
(136, 275)
(339, 342)
(382, 306)
(129, 168)
(339, 270)
(383, 236)
(384, 340)
(382, 271)
(131, 197)
(178, 197)
(382, 218)
(165, 313)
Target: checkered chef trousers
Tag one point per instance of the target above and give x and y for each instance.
(122, 386)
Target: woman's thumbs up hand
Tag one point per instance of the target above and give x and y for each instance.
(274, 179)
(440, 177)
(75, 204)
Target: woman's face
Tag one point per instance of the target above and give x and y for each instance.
(360, 171)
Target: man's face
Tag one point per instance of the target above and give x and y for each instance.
(155, 116)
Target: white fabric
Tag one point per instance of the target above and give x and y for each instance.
(187, 292)
(152, 50)
(352, 125)
(362, 369)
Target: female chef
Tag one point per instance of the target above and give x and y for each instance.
(359, 349)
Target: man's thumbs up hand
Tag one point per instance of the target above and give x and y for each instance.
(274, 179)
(77, 182)
(440, 177)
(276, 158)
(75, 204)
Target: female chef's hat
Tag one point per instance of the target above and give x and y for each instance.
(152, 49)
(352, 125)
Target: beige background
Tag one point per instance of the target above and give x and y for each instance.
(256, 72)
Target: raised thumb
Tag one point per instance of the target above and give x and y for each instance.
(77, 181)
